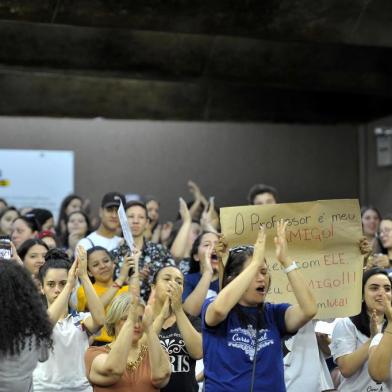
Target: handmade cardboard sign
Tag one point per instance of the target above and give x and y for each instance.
(323, 238)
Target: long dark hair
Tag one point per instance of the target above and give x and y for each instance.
(64, 237)
(372, 208)
(234, 266)
(155, 277)
(6, 209)
(62, 214)
(97, 248)
(26, 245)
(194, 265)
(362, 320)
(30, 221)
(23, 316)
(54, 258)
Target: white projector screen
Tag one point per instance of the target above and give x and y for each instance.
(36, 178)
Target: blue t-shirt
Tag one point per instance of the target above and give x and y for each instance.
(229, 350)
(192, 280)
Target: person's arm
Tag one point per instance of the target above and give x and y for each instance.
(106, 369)
(162, 316)
(134, 279)
(159, 360)
(166, 230)
(297, 315)
(194, 302)
(206, 220)
(199, 198)
(97, 311)
(179, 245)
(60, 304)
(350, 363)
(192, 338)
(230, 295)
(156, 234)
(380, 356)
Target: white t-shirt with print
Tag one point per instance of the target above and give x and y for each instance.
(95, 239)
(64, 370)
(345, 340)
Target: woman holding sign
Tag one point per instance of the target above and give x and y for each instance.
(352, 336)
(241, 332)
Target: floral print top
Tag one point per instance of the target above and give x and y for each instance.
(155, 256)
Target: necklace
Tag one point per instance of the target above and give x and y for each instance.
(133, 365)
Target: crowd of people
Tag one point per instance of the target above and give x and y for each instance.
(82, 311)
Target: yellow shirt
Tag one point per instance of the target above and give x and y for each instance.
(82, 306)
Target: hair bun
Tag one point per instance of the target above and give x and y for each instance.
(57, 254)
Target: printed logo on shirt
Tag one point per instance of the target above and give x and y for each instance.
(371, 388)
(175, 347)
(77, 321)
(244, 339)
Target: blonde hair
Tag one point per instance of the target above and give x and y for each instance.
(118, 309)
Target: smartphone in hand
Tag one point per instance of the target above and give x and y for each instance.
(5, 247)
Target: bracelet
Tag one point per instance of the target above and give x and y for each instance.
(293, 266)
(116, 285)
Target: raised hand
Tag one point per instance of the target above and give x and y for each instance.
(166, 230)
(206, 220)
(184, 211)
(387, 308)
(81, 256)
(148, 318)
(374, 330)
(175, 294)
(364, 246)
(165, 311)
(259, 249)
(222, 248)
(73, 273)
(281, 243)
(194, 190)
(131, 260)
(73, 239)
(205, 261)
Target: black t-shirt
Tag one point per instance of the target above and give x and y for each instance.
(182, 365)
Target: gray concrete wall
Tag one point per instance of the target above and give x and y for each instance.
(377, 180)
(303, 162)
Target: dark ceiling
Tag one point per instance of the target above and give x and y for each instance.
(306, 61)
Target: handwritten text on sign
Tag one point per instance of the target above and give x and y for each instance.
(323, 238)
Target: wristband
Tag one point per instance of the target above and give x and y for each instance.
(116, 285)
(293, 266)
